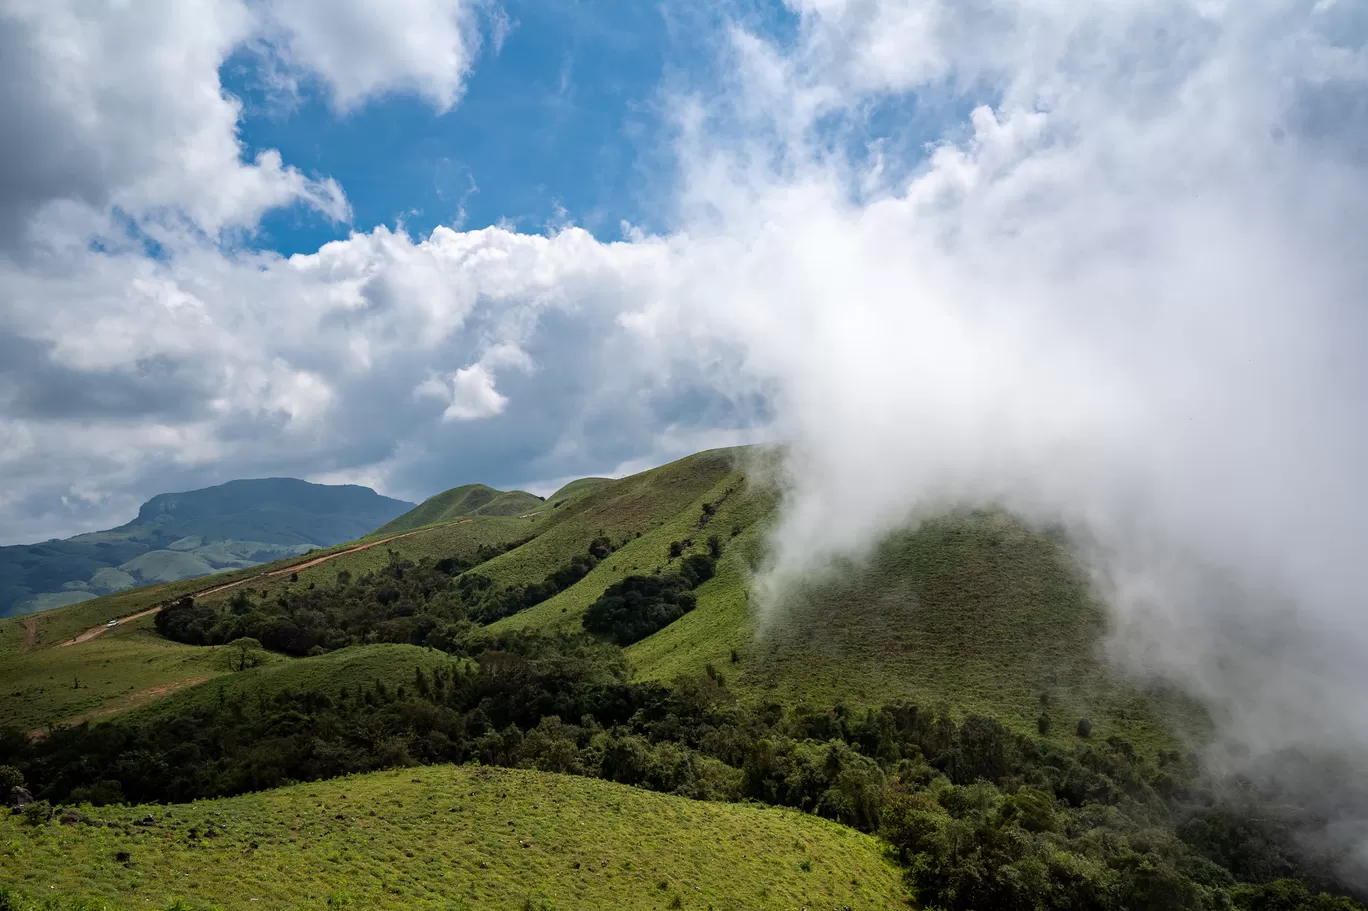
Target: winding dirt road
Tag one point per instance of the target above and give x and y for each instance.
(31, 631)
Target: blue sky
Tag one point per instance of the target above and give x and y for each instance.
(563, 120)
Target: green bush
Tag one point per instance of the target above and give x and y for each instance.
(37, 813)
(10, 778)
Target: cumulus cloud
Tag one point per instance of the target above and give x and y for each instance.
(362, 49)
(119, 107)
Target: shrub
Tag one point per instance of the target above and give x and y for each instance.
(697, 569)
(37, 813)
(10, 778)
(1084, 727)
(638, 606)
(1043, 724)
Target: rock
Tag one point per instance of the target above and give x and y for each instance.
(72, 817)
(19, 798)
(148, 820)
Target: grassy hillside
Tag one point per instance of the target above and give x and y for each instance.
(576, 489)
(130, 665)
(354, 668)
(461, 538)
(126, 668)
(975, 612)
(469, 500)
(454, 837)
(640, 505)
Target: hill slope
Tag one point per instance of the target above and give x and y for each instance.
(454, 837)
(973, 611)
(470, 500)
(186, 535)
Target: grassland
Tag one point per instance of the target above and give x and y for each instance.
(576, 489)
(461, 538)
(124, 669)
(469, 500)
(355, 668)
(642, 504)
(975, 612)
(454, 837)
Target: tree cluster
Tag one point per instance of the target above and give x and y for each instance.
(979, 815)
(430, 602)
(638, 606)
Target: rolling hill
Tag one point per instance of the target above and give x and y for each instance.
(947, 692)
(452, 837)
(974, 611)
(186, 535)
(470, 500)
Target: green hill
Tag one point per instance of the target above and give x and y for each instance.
(353, 668)
(128, 668)
(973, 611)
(946, 691)
(576, 489)
(470, 500)
(186, 535)
(452, 837)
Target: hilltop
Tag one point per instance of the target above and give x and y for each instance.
(469, 500)
(190, 534)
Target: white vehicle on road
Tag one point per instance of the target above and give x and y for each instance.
(112, 623)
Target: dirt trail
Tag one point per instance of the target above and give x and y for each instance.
(30, 634)
(124, 703)
(100, 630)
(97, 631)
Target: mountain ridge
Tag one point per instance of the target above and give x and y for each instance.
(187, 534)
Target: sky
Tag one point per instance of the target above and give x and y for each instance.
(1101, 264)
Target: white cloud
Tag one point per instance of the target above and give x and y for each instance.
(473, 395)
(120, 105)
(362, 49)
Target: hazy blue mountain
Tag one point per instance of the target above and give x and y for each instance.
(195, 533)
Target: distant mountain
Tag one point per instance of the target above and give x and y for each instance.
(195, 533)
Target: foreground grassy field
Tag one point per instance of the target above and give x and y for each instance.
(453, 837)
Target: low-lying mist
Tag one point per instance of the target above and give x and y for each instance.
(1125, 296)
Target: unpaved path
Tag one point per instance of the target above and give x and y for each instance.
(101, 630)
(124, 703)
(97, 631)
(30, 634)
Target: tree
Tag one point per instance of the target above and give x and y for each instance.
(10, 778)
